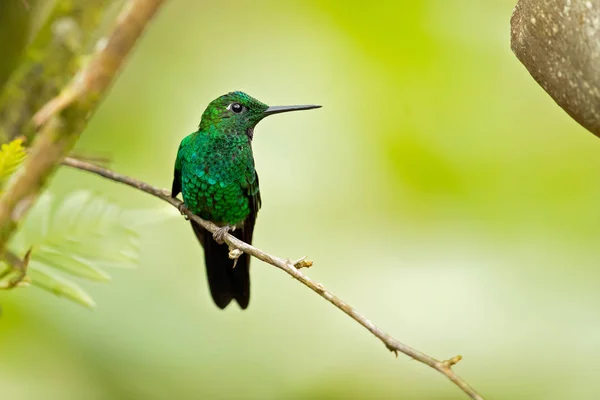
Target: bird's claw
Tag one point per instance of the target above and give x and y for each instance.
(182, 209)
(235, 254)
(220, 233)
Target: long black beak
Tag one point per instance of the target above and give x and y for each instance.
(282, 109)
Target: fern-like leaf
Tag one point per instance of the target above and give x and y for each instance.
(79, 237)
(43, 277)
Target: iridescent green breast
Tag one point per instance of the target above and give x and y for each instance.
(218, 177)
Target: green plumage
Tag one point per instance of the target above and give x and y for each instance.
(215, 173)
(218, 176)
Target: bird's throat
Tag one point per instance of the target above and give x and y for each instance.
(250, 132)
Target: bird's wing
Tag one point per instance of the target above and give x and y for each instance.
(176, 188)
(253, 194)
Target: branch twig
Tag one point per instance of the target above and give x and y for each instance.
(15, 264)
(291, 268)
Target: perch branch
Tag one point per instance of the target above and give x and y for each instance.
(64, 118)
(291, 268)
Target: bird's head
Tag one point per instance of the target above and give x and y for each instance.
(238, 113)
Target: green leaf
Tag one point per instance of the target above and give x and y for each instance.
(11, 156)
(69, 263)
(44, 279)
(84, 233)
(79, 237)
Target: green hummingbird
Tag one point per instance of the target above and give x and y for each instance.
(215, 173)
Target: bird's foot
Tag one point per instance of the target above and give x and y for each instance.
(235, 254)
(182, 209)
(219, 235)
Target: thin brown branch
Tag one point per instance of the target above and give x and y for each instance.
(63, 119)
(291, 268)
(15, 263)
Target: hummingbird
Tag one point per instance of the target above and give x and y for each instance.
(216, 175)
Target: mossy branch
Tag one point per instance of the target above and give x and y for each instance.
(292, 268)
(62, 120)
(51, 61)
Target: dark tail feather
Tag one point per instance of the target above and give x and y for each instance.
(225, 282)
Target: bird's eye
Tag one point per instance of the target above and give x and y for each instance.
(236, 108)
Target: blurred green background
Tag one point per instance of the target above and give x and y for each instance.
(439, 190)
